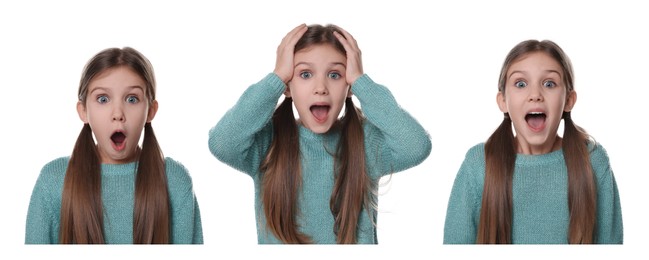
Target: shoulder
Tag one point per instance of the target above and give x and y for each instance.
(172, 164)
(179, 184)
(475, 153)
(55, 169)
(599, 158)
(177, 173)
(597, 151)
(56, 164)
(52, 176)
(474, 162)
(470, 175)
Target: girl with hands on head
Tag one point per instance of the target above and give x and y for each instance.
(316, 176)
(286, 49)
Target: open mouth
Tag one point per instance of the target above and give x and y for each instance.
(320, 112)
(536, 120)
(119, 140)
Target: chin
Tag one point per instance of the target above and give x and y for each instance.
(320, 128)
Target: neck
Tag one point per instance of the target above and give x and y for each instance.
(548, 147)
(107, 159)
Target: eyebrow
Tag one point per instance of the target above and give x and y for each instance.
(522, 72)
(105, 89)
(311, 64)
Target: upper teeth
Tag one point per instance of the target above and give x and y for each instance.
(536, 113)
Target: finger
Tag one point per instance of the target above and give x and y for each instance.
(297, 35)
(349, 38)
(349, 48)
(354, 63)
(289, 36)
(294, 35)
(284, 62)
(297, 28)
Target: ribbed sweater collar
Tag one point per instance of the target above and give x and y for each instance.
(118, 169)
(541, 159)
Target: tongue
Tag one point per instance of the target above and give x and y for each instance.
(118, 138)
(536, 122)
(320, 112)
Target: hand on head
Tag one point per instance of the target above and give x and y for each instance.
(354, 61)
(285, 52)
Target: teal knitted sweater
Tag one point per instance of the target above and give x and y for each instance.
(540, 199)
(394, 141)
(117, 188)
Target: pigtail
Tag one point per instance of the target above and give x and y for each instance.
(496, 213)
(352, 185)
(582, 192)
(81, 204)
(151, 220)
(282, 177)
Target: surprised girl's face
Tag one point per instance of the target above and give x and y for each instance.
(535, 97)
(116, 109)
(319, 87)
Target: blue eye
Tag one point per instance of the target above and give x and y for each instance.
(132, 99)
(520, 84)
(102, 99)
(305, 74)
(549, 84)
(334, 75)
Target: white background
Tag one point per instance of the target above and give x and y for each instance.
(440, 60)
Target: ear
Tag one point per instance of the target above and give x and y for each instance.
(502, 104)
(570, 101)
(287, 90)
(153, 109)
(81, 110)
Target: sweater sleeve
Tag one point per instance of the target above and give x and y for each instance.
(242, 136)
(463, 211)
(609, 228)
(393, 134)
(42, 225)
(186, 226)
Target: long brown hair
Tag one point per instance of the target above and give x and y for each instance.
(81, 203)
(282, 169)
(500, 155)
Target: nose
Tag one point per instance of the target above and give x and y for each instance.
(535, 94)
(321, 88)
(118, 113)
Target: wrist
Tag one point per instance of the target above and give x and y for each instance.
(284, 78)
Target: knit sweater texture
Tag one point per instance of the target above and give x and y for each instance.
(540, 199)
(117, 188)
(394, 141)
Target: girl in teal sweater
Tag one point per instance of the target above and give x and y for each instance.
(114, 191)
(535, 187)
(316, 177)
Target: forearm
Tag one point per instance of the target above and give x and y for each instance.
(405, 142)
(233, 137)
